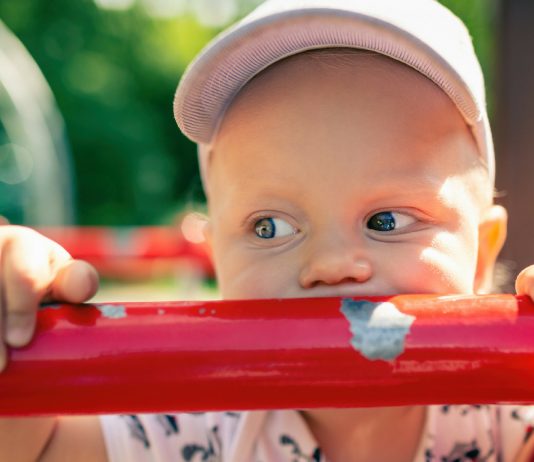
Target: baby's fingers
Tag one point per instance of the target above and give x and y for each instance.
(524, 284)
(36, 270)
(27, 271)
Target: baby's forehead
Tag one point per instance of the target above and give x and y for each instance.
(340, 100)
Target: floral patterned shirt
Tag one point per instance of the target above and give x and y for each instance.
(451, 434)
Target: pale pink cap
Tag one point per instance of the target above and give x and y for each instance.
(419, 33)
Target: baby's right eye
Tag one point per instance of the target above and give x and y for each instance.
(269, 228)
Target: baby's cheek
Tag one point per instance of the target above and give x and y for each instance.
(448, 264)
(247, 278)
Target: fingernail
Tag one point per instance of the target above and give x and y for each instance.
(18, 335)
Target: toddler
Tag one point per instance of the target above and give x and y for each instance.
(345, 151)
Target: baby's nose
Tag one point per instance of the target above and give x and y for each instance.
(336, 264)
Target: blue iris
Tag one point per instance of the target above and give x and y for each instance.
(265, 228)
(383, 221)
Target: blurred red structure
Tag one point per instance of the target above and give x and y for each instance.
(136, 252)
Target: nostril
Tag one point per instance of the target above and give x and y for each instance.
(347, 280)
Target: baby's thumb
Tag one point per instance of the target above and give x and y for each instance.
(76, 281)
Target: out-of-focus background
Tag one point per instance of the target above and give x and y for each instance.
(87, 135)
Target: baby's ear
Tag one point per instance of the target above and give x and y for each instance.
(491, 237)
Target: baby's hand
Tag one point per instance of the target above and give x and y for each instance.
(524, 284)
(34, 269)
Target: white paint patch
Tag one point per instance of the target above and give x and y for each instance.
(379, 329)
(112, 311)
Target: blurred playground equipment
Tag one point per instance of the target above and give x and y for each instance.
(136, 253)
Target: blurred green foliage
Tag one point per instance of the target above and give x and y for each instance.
(481, 18)
(114, 74)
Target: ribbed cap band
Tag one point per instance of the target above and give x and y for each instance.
(419, 33)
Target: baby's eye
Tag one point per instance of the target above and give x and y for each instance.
(389, 221)
(269, 228)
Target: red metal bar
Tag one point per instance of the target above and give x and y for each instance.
(296, 353)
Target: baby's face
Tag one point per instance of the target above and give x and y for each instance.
(344, 179)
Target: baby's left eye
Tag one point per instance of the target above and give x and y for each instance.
(269, 228)
(389, 221)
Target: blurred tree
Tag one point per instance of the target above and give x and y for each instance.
(113, 66)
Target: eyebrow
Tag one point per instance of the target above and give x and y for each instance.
(434, 195)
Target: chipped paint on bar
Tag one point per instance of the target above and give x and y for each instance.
(112, 311)
(379, 329)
